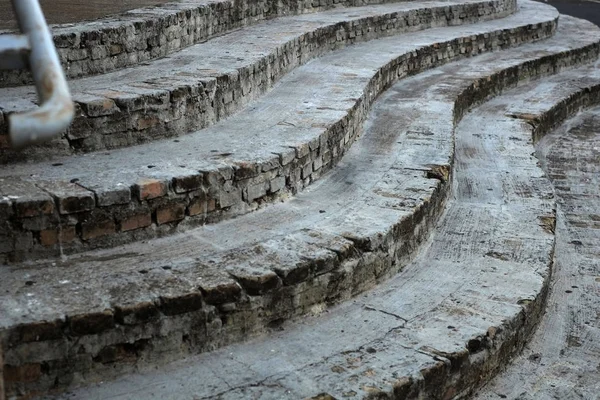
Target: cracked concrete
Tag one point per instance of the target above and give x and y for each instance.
(561, 361)
(488, 261)
(436, 318)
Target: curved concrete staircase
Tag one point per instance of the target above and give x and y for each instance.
(326, 201)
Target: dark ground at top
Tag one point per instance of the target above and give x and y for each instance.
(65, 11)
(585, 9)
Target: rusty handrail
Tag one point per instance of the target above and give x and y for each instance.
(56, 110)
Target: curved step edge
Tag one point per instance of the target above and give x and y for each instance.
(172, 97)
(86, 213)
(145, 34)
(111, 325)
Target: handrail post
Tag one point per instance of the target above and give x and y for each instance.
(56, 110)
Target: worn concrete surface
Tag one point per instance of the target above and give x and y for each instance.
(141, 35)
(490, 186)
(508, 215)
(320, 107)
(489, 257)
(563, 359)
(204, 83)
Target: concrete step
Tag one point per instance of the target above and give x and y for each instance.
(110, 312)
(207, 82)
(142, 34)
(562, 357)
(75, 203)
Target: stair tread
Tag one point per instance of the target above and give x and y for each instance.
(313, 97)
(307, 90)
(207, 82)
(360, 169)
(139, 35)
(275, 222)
(488, 255)
(569, 157)
(221, 55)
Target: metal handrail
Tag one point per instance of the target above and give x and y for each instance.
(56, 110)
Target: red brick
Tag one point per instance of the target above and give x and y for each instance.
(173, 212)
(211, 205)
(147, 189)
(49, 237)
(34, 208)
(4, 142)
(197, 206)
(147, 122)
(22, 373)
(1, 375)
(136, 222)
(98, 229)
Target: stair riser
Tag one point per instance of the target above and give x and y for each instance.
(161, 108)
(122, 341)
(142, 35)
(458, 375)
(223, 194)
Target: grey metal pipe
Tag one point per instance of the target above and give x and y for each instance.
(56, 110)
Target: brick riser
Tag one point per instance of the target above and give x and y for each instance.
(142, 35)
(160, 207)
(103, 351)
(172, 106)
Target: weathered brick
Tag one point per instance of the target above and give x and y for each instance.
(198, 206)
(136, 222)
(51, 237)
(187, 183)
(33, 207)
(170, 213)
(181, 304)
(40, 331)
(22, 373)
(110, 196)
(136, 313)
(276, 184)
(29, 200)
(147, 122)
(229, 196)
(256, 191)
(146, 189)
(89, 324)
(95, 229)
(220, 290)
(245, 170)
(71, 198)
(96, 106)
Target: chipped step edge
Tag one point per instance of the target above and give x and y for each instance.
(149, 110)
(520, 328)
(141, 35)
(176, 198)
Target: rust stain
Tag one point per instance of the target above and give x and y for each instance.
(441, 172)
(548, 223)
